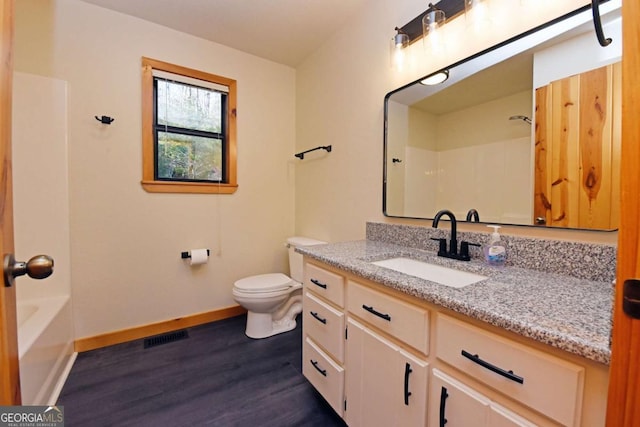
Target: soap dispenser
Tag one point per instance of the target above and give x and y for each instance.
(495, 252)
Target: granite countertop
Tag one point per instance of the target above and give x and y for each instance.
(571, 314)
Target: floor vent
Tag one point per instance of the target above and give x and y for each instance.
(165, 338)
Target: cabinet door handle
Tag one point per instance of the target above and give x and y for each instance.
(377, 313)
(318, 318)
(493, 368)
(407, 393)
(443, 406)
(315, 365)
(319, 283)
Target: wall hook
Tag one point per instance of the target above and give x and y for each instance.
(595, 8)
(105, 120)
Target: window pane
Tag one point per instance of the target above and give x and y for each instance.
(189, 107)
(189, 157)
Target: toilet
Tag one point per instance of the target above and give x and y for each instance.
(273, 300)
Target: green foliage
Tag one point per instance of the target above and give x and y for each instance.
(189, 157)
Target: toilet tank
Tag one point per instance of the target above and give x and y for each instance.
(295, 259)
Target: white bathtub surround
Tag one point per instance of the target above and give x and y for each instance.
(41, 224)
(45, 346)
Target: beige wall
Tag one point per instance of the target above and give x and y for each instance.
(125, 243)
(340, 93)
(485, 123)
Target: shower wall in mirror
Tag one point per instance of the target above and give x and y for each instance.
(488, 140)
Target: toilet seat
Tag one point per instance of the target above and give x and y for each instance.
(261, 283)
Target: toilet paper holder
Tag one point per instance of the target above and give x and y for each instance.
(187, 254)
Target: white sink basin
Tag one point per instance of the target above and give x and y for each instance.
(434, 273)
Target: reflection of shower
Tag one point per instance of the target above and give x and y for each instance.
(525, 118)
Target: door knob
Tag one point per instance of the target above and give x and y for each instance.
(38, 267)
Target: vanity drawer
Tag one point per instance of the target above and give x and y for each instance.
(324, 324)
(325, 375)
(324, 283)
(402, 320)
(543, 382)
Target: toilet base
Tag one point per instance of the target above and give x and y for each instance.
(263, 325)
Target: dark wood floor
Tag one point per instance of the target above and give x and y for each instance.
(215, 377)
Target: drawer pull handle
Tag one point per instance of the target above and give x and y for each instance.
(318, 318)
(377, 313)
(319, 283)
(443, 406)
(407, 393)
(315, 365)
(507, 374)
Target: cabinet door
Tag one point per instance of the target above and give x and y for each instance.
(502, 417)
(454, 404)
(384, 384)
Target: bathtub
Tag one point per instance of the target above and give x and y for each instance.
(45, 348)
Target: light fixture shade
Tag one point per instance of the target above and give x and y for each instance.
(436, 78)
(432, 22)
(478, 14)
(397, 49)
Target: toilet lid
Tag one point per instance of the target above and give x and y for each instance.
(264, 283)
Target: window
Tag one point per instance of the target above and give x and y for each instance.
(189, 130)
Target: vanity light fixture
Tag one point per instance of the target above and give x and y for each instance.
(398, 44)
(435, 17)
(436, 78)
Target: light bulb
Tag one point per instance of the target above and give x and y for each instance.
(432, 23)
(477, 14)
(399, 42)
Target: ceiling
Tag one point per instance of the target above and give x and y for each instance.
(283, 31)
(506, 78)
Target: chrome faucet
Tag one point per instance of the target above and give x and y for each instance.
(453, 242)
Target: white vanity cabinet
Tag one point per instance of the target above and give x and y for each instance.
(383, 358)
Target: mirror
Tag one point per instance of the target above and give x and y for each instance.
(525, 133)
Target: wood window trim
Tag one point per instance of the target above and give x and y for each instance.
(149, 183)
